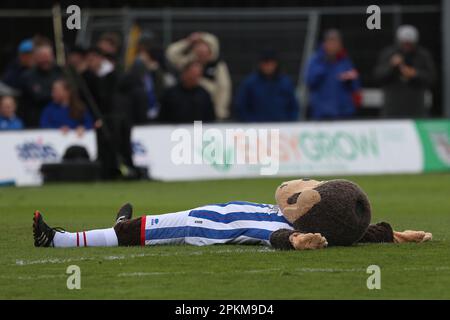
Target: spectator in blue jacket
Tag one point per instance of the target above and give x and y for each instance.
(8, 118)
(333, 82)
(267, 95)
(66, 110)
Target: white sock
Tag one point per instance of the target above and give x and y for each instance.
(93, 238)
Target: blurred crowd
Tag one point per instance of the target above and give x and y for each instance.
(190, 81)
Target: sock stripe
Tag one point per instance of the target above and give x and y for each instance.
(78, 240)
(143, 221)
(84, 238)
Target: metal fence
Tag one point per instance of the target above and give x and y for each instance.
(294, 32)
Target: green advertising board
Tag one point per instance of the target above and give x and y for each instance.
(435, 138)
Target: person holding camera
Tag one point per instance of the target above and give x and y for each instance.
(406, 71)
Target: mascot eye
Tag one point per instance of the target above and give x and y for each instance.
(293, 199)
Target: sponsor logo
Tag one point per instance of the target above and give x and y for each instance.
(154, 221)
(138, 148)
(441, 145)
(227, 160)
(36, 150)
(309, 147)
(222, 149)
(339, 145)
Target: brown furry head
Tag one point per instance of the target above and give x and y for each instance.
(338, 209)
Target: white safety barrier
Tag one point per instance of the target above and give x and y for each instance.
(303, 149)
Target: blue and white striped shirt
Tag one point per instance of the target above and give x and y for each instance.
(236, 222)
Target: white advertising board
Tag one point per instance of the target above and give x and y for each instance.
(367, 147)
(23, 153)
(303, 149)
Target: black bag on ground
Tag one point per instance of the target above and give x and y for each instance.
(76, 153)
(75, 167)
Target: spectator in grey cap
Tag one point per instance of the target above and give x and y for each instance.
(406, 71)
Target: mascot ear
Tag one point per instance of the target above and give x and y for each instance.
(304, 202)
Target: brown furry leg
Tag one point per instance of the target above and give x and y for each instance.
(129, 232)
(377, 233)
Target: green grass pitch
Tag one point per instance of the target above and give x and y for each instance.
(221, 272)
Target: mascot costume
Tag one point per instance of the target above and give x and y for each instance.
(309, 214)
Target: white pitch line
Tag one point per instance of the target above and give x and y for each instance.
(147, 274)
(271, 270)
(328, 270)
(249, 271)
(42, 276)
(23, 262)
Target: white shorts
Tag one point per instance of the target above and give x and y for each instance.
(169, 228)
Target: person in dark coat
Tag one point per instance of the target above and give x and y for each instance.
(37, 85)
(187, 101)
(267, 95)
(21, 64)
(333, 82)
(405, 71)
(141, 88)
(96, 78)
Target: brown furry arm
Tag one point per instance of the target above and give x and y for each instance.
(280, 239)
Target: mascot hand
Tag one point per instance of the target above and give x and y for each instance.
(305, 241)
(412, 236)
